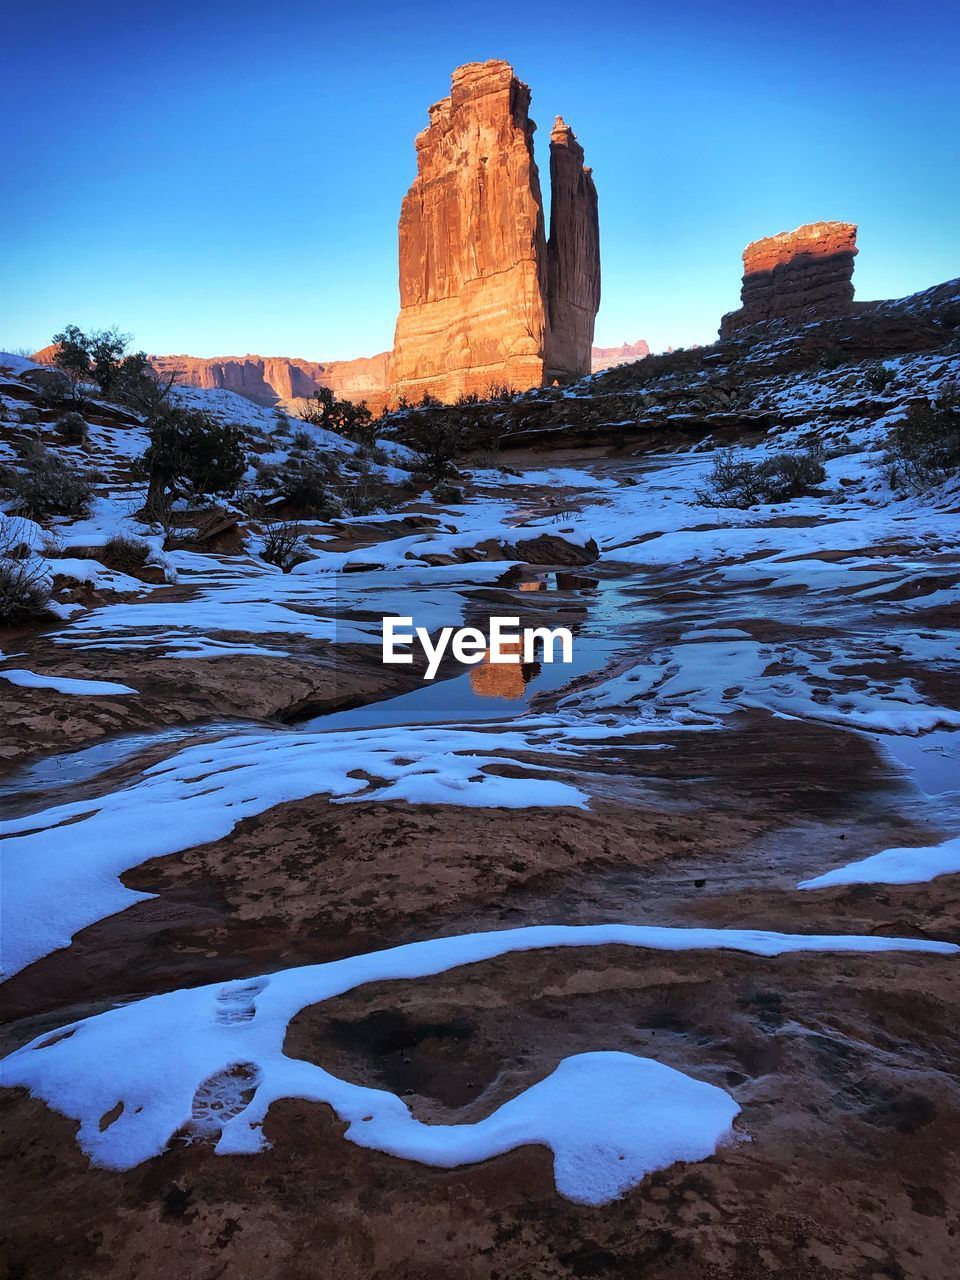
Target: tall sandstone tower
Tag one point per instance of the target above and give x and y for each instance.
(485, 300)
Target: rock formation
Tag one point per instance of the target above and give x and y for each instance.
(626, 353)
(573, 258)
(280, 380)
(795, 275)
(482, 299)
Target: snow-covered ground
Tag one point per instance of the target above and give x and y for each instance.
(827, 609)
(609, 1118)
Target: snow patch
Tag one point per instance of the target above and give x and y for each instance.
(610, 1118)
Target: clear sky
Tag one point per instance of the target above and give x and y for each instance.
(221, 178)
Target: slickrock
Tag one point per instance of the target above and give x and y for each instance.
(795, 275)
(482, 301)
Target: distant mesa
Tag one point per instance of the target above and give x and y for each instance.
(796, 275)
(626, 353)
(485, 298)
(282, 381)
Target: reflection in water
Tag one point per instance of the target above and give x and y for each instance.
(507, 678)
(522, 578)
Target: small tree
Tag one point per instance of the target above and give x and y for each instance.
(343, 417)
(435, 438)
(89, 357)
(190, 455)
(101, 358)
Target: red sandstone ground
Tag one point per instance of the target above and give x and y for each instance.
(847, 1068)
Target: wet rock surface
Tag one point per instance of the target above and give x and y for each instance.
(757, 666)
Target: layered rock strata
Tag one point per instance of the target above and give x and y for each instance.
(279, 380)
(573, 259)
(795, 275)
(483, 301)
(626, 353)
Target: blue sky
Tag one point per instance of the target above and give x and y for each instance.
(222, 178)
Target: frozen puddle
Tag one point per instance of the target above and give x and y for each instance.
(71, 768)
(209, 1063)
(933, 759)
(487, 691)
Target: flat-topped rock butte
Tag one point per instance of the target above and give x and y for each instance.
(796, 274)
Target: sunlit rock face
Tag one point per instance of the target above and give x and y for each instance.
(626, 353)
(279, 380)
(479, 303)
(795, 275)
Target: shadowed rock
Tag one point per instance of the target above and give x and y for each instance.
(796, 275)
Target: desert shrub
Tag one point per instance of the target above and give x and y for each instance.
(190, 455)
(364, 494)
(738, 482)
(30, 417)
(124, 552)
(24, 580)
(51, 546)
(832, 358)
(44, 485)
(923, 449)
(502, 391)
(24, 591)
(445, 494)
(435, 438)
(73, 427)
(282, 545)
(302, 439)
(878, 377)
(487, 459)
(53, 388)
(949, 316)
(304, 481)
(340, 416)
(373, 452)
